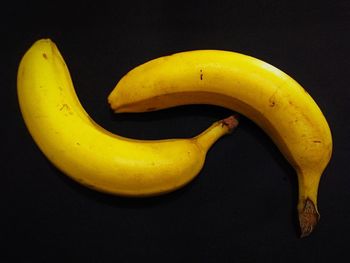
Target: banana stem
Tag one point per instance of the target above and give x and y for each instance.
(307, 204)
(207, 138)
(308, 217)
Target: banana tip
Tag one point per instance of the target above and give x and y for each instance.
(112, 104)
(308, 218)
(231, 122)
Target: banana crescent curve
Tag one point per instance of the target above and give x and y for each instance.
(256, 89)
(88, 153)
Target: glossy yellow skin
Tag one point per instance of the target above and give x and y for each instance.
(263, 93)
(86, 152)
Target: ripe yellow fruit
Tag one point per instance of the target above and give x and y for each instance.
(263, 93)
(91, 155)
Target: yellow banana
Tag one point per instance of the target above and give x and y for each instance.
(91, 155)
(263, 93)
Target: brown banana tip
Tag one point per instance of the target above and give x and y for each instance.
(112, 107)
(231, 122)
(308, 218)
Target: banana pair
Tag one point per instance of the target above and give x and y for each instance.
(96, 158)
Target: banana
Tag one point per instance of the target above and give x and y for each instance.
(258, 90)
(88, 153)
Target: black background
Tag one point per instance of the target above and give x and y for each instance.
(242, 206)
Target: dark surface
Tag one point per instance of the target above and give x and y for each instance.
(242, 206)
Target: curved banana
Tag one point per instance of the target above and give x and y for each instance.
(263, 93)
(91, 155)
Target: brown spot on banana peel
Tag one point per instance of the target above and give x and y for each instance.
(272, 99)
(308, 218)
